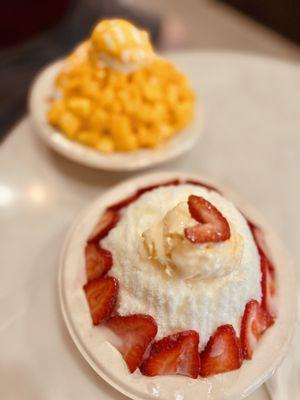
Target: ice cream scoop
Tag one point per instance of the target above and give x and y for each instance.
(167, 246)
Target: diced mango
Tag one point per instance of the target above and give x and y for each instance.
(123, 136)
(69, 124)
(105, 144)
(57, 108)
(80, 106)
(113, 111)
(90, 138)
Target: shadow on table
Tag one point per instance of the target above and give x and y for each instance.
(88, 176)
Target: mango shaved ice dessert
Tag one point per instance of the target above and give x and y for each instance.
(114, 94)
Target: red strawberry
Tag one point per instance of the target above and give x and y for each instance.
(222, 352)
(97, 261)
(258, 237)
(255, 321)
(205, 185)
(268, 285)
(135, 332)
(174, 355)
(107, 221)
(101, 294)
(268, 282)
(123, 203)
(174, 182)
(212, 227)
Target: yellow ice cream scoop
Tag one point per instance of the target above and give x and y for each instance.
(121, 45)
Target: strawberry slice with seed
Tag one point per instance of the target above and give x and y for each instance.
(97, 261)
(254, 323)
(123, 203)
(268, 281)
(174, 182)
(107, 221)
(135, 334)
(222, 352)
(259, 238)
(174, 355)
(212, 226)
(202, 184)
(101, 295)
(268, 285)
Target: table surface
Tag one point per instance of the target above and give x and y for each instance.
(250, 143)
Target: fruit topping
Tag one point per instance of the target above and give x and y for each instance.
(268, 285)
(107, 221)
(268, 282)
(258, 237)
(222, 352)
(255, 321)
(135, 333)
(123, 203)
(212, 226)
(101, 294)
(203, 184)
(174, 355)
(128, 200)
(97, 261)
(174, 182)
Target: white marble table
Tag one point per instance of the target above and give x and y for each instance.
(251, 143)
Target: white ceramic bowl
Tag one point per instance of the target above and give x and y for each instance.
(106, 360)
(43, 88)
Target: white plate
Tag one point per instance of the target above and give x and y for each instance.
(106, 360)
(43, 88)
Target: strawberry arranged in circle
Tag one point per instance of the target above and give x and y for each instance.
(174, 355)
(107, 221)
(222, 352)
(174, 182)
(128, 200)
(101, 294)
(268, 285)
(212, 226)
(97, 261)
(255, 321)
(258, 237)
(268, 282)
(123, 203)
(202, 184)
(135, 334)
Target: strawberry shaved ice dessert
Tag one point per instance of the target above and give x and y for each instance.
(182, 277)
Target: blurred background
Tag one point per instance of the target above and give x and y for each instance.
(34, 32)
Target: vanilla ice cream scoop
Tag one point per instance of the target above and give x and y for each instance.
(166, 245)
(120, 45)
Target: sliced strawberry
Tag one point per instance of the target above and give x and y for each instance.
(174, 355)
(268, 285)
(212, 227)
(97, 261)
(107, 221)
(135, 333)
(101, 294)
(222, 352)
(123, 203)
(174, 182)
(258, 237)
(255, 321)
(202, 184)
(268, 281)
(128, 200)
